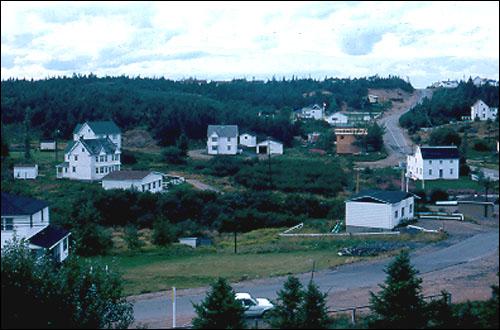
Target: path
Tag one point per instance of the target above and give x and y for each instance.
(464, 266)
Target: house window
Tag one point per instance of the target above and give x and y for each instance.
(149, 186)
(402, 211)
(440, 162)
(65, 170)
(31, 221)
(154, 184)
(214, 139)
(451, 161)
(396, 214)
(97, 170)
(97, 159)
(65, 244)
(214, 148)
(101, 169)
(74, 169)
(118, 157)
(411, 208)
(7, 224)
(83, 149)
(451, 171)
(430, 172)
(430, 162)
(42, 215)
(228, 139)
(228, 148)
(106, 158)
(76, 158)
(101, 158)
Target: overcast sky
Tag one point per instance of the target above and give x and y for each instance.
(426, 41)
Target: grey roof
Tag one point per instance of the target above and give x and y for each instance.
(440, 152)
(381, 196)
(223, 130)
(24, 165)
(100, 127)
(69, 146)
(49, 236)
(19, 205)
(95, 145)
(127, 175)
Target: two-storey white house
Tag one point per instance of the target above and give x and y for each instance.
(93, 153)
(222, 139)
(433, 163)
(134, 180)
(481, 111)
(28, 218)
(378, 210)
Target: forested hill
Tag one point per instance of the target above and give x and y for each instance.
(170, 107)
(449, 104)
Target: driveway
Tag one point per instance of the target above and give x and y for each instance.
(463, 261)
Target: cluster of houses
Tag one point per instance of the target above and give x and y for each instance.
(478, 81)
(225, 139)
(338, 119)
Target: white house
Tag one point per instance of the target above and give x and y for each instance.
(28, 219)
(432, 163)
(135, 180)
(478, 81)
(337, 119)
(372, 98)
(222, 139)
(47, 145)
(312, 112)
(480, 110)
(248, 140)
(25, 171)
(378, 210)
(94, 152)
(270, 147)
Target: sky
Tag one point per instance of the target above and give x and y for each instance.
(420, 41)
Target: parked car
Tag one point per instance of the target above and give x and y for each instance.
(254, 307)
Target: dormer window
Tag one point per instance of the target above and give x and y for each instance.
(83, 149)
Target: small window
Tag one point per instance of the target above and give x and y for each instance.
(214, 139)
(440, 162)
(83, 149)
(65, 170)
(97, 170)
(228, 148)
(154, 184)
(118, 157)
(106, 158)
(430, 172)
(76, 158)
(430, 161)
(402, 211)
(396, 214)
(74, 169)
(101, 169)
(7, 224)
(411, 208)
(97, 159)
(451, 171)
(101, 158)
(65, 244)
(214, 148)
(451, 161)
(228, 139)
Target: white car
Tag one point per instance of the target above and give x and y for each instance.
(254, 307)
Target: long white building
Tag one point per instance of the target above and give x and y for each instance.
(433, 163)
(134, 180)
(378, 210)
(93, 153)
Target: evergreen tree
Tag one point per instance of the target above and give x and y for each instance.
(163, 232)
(286, 313)
(220, 309)
(183, 144)
(314, 313)
(400, 304)
(132, 238)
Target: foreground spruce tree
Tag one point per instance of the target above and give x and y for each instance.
(219, 310)
(286, 313)
(400, 304)
(314, 313)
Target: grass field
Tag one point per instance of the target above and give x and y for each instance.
(460, 184)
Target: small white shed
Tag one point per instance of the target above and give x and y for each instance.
(378, 210)
(47, 145)
(248, 140)
(195, 241)
(25, 171)
(270, 147)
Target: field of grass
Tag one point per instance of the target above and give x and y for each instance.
(261, 253)
(460, 184)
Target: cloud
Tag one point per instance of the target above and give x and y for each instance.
(361, 42)
(78, 63)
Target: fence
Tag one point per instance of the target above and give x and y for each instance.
(355, 308)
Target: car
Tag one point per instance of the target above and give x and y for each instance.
(254, 307)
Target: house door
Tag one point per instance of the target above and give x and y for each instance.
(440, 173)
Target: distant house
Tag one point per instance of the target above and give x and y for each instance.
(28, 219)
(378, 210)
(478, 81)
(134, 180)
(345, 138)
(93, 153)
(222, 139)
(194, 242)
(337, 119)
(47, 145)
(372, 98)
(248, 140)
(433, 163)
(312, 112)
(481, 111)
(270, 147)
(25, 171)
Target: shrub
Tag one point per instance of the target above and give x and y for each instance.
(173, 155)
(481, 146)
(438, 195)
(127, 157)
(164, 232)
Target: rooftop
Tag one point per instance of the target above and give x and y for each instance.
(127, 175)
(223, 130)
(19, 205)
(49, 236)
(439, 152)
(381, 196)
(100, 127)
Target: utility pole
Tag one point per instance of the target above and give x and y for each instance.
(269, 163)
(235, 243)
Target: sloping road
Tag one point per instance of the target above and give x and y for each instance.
(434, 261)
(396, 141)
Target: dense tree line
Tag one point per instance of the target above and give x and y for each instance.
(169, 108)
(449, 104)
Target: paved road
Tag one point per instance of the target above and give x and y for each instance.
(396, 141)
(155, 309)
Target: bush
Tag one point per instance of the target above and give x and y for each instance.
(444, 137)
(481, 146)
(127, 157)
(92, 239)
(132, 238)
(164, 232)
(223, 166)
(438, 195)
(173, 155)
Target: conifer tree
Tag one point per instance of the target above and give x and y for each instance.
(286, 313)
(220, 309)
(314, 313)
(400, 304)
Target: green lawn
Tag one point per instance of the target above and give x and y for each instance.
(460, 184)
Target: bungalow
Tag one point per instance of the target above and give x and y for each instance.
(93, 153)
(270, 147)
(47, 145)
(481, 111)
(312, 112)
(25, 171)
(432, 163)
(135, 180)
(222, 139)
(378, 210)
(248, 140)
(28, 218)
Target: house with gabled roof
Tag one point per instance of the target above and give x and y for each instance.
(433, 163)
(481, 111)
(222, 139)
(269, 147)
(93, 153)
(378, 210)
(134, 180)
(28, 218)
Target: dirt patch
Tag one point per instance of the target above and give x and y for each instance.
(139, 138)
